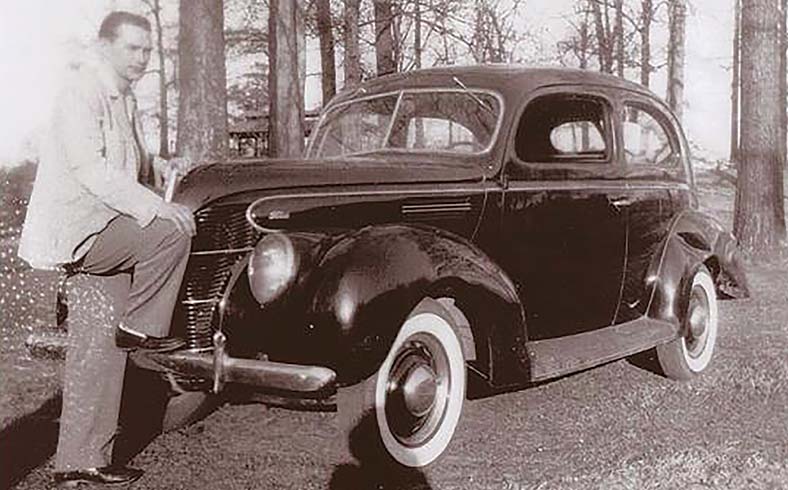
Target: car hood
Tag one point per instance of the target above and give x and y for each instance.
(216, 180)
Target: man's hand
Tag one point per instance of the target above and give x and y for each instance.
(180, 215)
(168, 170)
(178, 165)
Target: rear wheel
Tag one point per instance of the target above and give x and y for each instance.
(691, 353)
(416, 396)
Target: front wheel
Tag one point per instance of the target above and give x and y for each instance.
(416, 396)
(691, 353)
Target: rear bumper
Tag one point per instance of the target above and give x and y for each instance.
(292, 381)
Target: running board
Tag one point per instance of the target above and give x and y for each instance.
(563, 355)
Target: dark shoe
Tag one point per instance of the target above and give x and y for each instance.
(108, 475)
(129, 340)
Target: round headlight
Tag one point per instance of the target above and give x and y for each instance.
(272, 267)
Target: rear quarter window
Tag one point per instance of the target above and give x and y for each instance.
(648, 141)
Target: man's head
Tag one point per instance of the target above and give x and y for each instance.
(125, 41)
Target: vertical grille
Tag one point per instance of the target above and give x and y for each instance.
(223, 237)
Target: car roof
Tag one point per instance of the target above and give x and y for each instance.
(511, 80)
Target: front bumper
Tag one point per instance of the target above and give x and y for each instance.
(287, 380)
(298, 381)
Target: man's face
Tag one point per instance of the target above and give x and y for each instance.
(129, 52)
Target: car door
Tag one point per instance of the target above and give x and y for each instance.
(657, 175)
(563, 234)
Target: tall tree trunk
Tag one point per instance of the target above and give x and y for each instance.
(447, 59)
(480, 39)
(328, 67)
(202, 102)
(352, 51)
(300, 22)
(396, 35)
(417, 63)
(286, 109)
(417, 48)
(759, 221)
(783, 117)
(585, 44)
(735, 84)
(677, 21)
(609, 37)
(646, 16)
(784, 84)
(619, 37)
(600, 33)
(603, 41)
(164, 117)
(384, 38)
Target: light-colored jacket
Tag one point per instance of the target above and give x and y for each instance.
(89, 170)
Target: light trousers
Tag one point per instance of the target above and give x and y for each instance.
(130, 275)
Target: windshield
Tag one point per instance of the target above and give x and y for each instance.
(458, 121)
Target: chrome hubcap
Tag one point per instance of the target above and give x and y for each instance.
(697, 322)
(417, 390)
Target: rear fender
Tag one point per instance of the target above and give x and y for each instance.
(371, 280)
(694, 239)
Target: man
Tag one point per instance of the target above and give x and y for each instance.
(90, 214)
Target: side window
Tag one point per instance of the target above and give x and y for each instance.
(565, 128)
(646, 140)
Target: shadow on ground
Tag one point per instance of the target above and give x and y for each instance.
(141, 413)
(373, 467)
(30, 441)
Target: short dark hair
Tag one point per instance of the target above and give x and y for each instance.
(110, 24)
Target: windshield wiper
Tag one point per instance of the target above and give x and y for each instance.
(475, 97)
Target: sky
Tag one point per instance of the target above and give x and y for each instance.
(38, 36)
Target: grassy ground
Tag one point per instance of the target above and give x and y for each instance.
(615, 427)
(26, 303)
(728, 429)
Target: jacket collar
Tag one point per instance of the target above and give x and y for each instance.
(106, 75)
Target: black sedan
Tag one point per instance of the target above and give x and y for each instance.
(487, 226)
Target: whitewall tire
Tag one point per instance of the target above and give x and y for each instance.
(416, 397)
(690, 354)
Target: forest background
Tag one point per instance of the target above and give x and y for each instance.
(39, 37)
(721, 66)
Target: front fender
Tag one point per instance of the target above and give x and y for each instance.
(369, 282)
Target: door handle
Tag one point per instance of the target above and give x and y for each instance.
(620, 202)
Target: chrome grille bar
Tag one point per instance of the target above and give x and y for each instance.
(223, 238)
